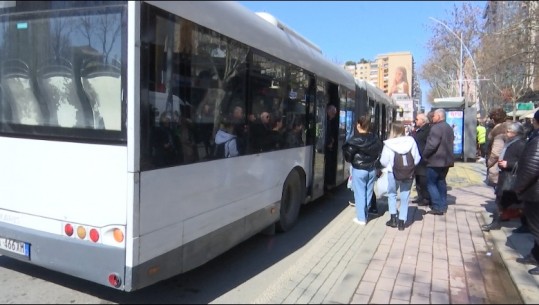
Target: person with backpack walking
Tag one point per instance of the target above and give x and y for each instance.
(363, 152)
(400, 156)
(438, 154)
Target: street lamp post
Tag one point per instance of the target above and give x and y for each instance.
(462, 45)
(469, 147)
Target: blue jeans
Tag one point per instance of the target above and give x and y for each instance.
(437, 187)
(392, 187)
(363, 187)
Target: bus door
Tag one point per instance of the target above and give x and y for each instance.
(332, 137)
(325, 159)
(319, 115)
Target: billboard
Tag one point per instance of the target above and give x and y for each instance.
(400, 77)
(455, 119)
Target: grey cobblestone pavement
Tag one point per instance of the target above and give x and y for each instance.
(435, 260)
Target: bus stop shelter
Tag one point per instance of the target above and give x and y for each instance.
(463, 120)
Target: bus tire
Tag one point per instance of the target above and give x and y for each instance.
(291, 201)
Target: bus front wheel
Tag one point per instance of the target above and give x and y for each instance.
(291, 201)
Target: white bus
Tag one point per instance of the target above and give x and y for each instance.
(109, 112)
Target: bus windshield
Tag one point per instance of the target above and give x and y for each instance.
(60, 72)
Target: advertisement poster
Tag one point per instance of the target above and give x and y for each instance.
(455, 119)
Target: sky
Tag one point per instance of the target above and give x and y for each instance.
(352, 30)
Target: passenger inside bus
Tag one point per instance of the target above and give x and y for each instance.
(260, 132)
(225, 140)
(165, 144)
(240, 128)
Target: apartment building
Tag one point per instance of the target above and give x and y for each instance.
(393, 73)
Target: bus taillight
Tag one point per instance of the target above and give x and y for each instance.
(68, 229)
(115, 280)
(81, 232)
(118, 235)
(94, 235)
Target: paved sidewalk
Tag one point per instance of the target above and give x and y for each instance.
(436, 259)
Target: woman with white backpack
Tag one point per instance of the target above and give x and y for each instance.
(399, 157)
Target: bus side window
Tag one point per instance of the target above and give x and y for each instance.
(18, 93)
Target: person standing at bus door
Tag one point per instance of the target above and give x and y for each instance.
(330, 152)
(400, 82)
(398, 143)
(438, 153)
(527, 190)
(420, 136)
(363, 150)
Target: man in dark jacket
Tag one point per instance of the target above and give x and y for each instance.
(420, 136)
(438, 154)
(527, 190)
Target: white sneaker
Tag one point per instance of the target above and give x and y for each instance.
(359, 222)
(351, 203)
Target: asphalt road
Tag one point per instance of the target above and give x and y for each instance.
(238, 276)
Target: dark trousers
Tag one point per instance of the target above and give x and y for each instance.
(421, 187)
(437, 187)
(531, 210)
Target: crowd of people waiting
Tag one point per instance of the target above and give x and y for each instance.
(431, 146)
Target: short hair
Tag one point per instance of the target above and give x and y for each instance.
(365, 122)
(517, 128)
(430, 115)
(498, 115)
(423, 118)
(441, 112)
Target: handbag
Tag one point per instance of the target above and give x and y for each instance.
(510, 179)
(381, 184)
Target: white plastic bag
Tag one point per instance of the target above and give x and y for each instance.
(349, 184)
(381, 184)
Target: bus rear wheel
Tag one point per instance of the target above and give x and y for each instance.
(291, 201)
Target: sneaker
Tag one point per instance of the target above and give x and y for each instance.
(359, 222)
(534, 271)
(435, 212)
(527, 260)
(351, 203)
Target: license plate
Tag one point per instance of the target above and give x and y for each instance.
(15, 246)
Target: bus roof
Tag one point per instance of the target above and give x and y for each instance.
(375, 93)
(232, 19)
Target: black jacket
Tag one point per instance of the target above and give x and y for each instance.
(363, 151)
(527, 185)
(420, 137)
(512, 155)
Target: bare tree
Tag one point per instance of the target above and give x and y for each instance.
(509, 53)
(443, 67)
